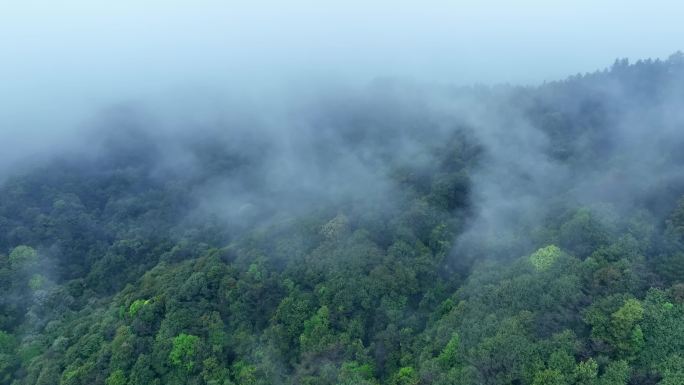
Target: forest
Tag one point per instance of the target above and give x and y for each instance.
(395, 234)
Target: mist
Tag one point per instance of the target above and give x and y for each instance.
(59, 67)
(389, 193)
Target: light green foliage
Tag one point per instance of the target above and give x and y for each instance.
(245, 374)
(405, 376)
(23, 256)
(628, 315)
(118, 377)
(672, 370)
(255, 272)
(36, 282)
(184, 351)
(79, 373)
(317, 333)
(136, 306)
(545, 257)
(549, 377)
(449, 354)
(353, 373)
(586, 372)
(628, 336)
(619, 327)
(674, 378)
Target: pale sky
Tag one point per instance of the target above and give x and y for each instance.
(62, 59)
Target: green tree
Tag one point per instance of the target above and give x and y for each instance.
(354, 373)
(184, 351)
(549, 377)
(214, 373)
(628, 337)
(621, 328)
(616, 373)
(136, 306)
(117, 377)
(545, 257)
(23, 256)
(586, 372)
(405, 376)
(122, 349)
(449, 355)
(317, 333)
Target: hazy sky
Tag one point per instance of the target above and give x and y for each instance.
(61, 60)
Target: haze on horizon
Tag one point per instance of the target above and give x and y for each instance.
(59, 66)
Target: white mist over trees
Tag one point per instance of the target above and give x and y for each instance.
(60, 65)
(391, 234)
(257, 194)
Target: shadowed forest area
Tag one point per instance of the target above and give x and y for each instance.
(393, 234)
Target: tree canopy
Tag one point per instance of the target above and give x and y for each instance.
(430, 260)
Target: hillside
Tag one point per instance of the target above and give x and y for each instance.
(396, 234)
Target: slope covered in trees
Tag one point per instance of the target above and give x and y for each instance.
(396, 235)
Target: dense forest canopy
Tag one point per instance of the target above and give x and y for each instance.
(395, 234)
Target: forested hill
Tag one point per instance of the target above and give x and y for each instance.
(397, 234)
